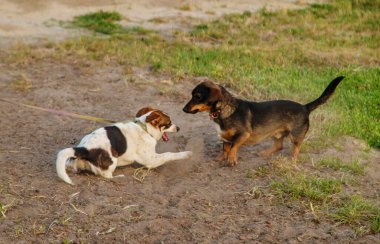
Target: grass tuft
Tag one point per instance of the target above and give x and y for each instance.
(185, 7)
(356, 211)
(2, 211)
(324, 194)
(21, 84)
(101, 22)
(310, 188)
(158, 20)
(375, 223)
(353, 167)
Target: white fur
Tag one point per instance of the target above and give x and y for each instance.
(141, 148)
(220, 132)
(61, 164)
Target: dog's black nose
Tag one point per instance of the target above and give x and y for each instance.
(185, 109)
(177, 128)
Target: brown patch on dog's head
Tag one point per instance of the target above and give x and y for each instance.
(158, 119)
(204, 96)
(143, 111)
(162, 122)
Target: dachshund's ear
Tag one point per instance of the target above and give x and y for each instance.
(143, 111)
(215, 93)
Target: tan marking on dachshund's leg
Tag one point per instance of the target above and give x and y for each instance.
(277, 146)
(226, 150)
(295, 152)
(297, 136)
(232, 156)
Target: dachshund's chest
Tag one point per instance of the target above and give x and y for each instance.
(227, 135)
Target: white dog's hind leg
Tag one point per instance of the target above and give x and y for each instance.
(108, 173)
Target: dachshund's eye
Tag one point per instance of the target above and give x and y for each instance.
(197, 96)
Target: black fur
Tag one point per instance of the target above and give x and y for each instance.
(117, 139)
(325, 95)
(98, 157)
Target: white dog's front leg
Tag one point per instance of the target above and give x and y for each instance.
(160, 159)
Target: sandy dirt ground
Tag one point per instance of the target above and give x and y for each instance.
(193, 201)
(36, 20)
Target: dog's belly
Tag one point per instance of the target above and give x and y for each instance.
(229, 134)
(255, 136)
(258, 136)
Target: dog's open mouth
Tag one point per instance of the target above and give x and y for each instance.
(165, 137)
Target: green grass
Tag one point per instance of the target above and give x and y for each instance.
(2, 211)
(101, 21)
(288, 54)
(375, 223)
(309, 188)
(357, 211)
(105, 23)
(185, 7)
(325, 197)
(353, 167)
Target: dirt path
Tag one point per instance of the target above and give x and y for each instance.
(32, 21)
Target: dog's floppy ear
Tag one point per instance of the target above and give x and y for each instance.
(153, 118)
(143, 111)
(215, 93)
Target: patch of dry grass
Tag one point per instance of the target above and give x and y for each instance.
(23, 83)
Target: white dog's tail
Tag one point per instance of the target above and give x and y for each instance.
(62, 158)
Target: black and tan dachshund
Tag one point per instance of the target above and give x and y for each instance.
(246, 122)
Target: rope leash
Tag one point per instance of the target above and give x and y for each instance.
(60, 112)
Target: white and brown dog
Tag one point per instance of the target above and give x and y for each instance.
(121, 144)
